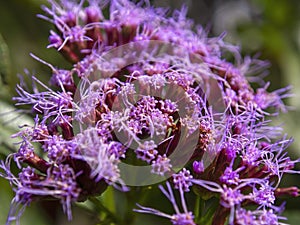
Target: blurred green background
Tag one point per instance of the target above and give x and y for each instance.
(271, 28)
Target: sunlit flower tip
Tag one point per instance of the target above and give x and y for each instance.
(27, 155)
(55, 40)
(268, 217)
(263, 217)
(128, 14)
(57, 148)
(167, 106)
(93, 150)
(5, 171)
(63, 78)
(230, 152)
(274, 99)
(49, 103)
(230, 177)
(264, 196)
(161, 165)
(198, 167)
(26, 151)
(182, 180)
(231, 197)
(183, 219)
(59, 183)
(244, 217)
(146, 151)
(117, 149)
(251, 155)
(156, 81)
(93, 14)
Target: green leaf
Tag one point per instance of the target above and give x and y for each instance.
(32, 215)
(208, 216)
(10, 120)
(4, 60)
(293, 217)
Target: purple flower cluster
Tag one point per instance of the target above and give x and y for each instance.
(142, 102)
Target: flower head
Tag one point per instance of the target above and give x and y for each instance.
(157, 92)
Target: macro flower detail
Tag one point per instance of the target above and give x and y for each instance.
(150, 98)
(161, 165)
(182, 180)
(180, 218)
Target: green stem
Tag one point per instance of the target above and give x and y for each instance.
(100, 207)
(136, 195)
(199, 208)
